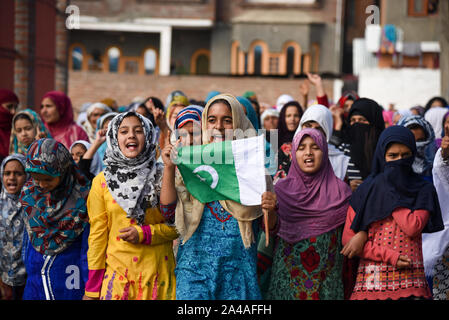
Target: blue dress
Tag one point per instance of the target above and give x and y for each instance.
(57, 277)
(214, 264)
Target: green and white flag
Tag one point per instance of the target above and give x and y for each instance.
(228, 170)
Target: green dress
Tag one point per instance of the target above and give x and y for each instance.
(309, 269)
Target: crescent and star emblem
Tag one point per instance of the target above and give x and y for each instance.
(213, 173)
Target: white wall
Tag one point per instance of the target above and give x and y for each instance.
(406, 87)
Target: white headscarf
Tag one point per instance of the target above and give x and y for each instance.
(268, 112)
(282, 100)
(87, 125)
(323, 116)
(435, 117)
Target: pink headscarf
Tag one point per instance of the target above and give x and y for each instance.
(311, 204)
(65, 131)
(388, 116)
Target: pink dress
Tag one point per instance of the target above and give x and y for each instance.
(378, 278)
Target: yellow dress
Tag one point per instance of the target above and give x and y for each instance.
(129, 271)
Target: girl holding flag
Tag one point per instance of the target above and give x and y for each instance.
(217, 257)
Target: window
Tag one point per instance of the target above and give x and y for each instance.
(149, 61)
(257, 60)
(113, 59)
(290, 60)
(419, 8)
(297, 2)
(77, 58)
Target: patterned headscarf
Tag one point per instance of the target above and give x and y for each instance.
(422, 163)
(54, 219)
(15, 146)
(133, 183)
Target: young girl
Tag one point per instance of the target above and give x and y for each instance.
(90, 166)
(55, 214)
(217, 256)
(27, 127)
(312, 205)
(130, 246)
(391, 209)
(12, 269)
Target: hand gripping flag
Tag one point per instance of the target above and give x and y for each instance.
(228, 170)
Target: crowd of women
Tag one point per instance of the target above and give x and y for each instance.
(357, 200)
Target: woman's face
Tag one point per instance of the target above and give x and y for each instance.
(348, 104)
(270, 122)
(105, 124)
(190, 134)
(45, 182)
(397, 151)
(78, 152)
(292, 118)
(419, 134)
(25, 131)
(49, 112)
(131, 137)
(93, 117)
(14, 177)
(10, 106)
(358, 118)
(219, 119)
(437, 103)
(309, 155)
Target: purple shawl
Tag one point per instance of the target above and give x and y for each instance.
(310, 205)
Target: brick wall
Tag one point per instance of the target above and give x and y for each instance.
(21, 46)
(92, 86)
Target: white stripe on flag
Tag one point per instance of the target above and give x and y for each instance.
(249, 160)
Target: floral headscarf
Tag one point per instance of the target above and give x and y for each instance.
(37, 123)
(54, 219)
(133, 183)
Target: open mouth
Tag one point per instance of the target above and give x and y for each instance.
(131, 146)
(309, 162)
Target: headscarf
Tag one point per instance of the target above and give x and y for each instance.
(87, 125)
(109, 102)
(56, 218)
(65, 131)
(431, 101)
(323, 116)
(266, 113)
(176, 100)
(189, 210)
(96, 166)
(422, 163)
(348, 95)
(434, 117)
(191, 113)
(102, 149)
(419, 109)
(404, 113)
(211, 94)
(393, 185)
(82, 116)
(250, 112)
(6, 120)
(363, 137)
(311, 204)
(38, 125)
(282, 100)
(172, 95)
(285, 135)
(250, 95)
(438, 140)
(133, 183)
(9, 204)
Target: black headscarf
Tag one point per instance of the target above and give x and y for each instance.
(363, 138)
(393, 185)
(285, 135)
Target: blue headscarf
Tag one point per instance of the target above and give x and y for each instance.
(394, 184)
(211, 94)
(191, 113)
(250, 112)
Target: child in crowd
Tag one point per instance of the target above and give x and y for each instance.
(56, 221)
(12, 269)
